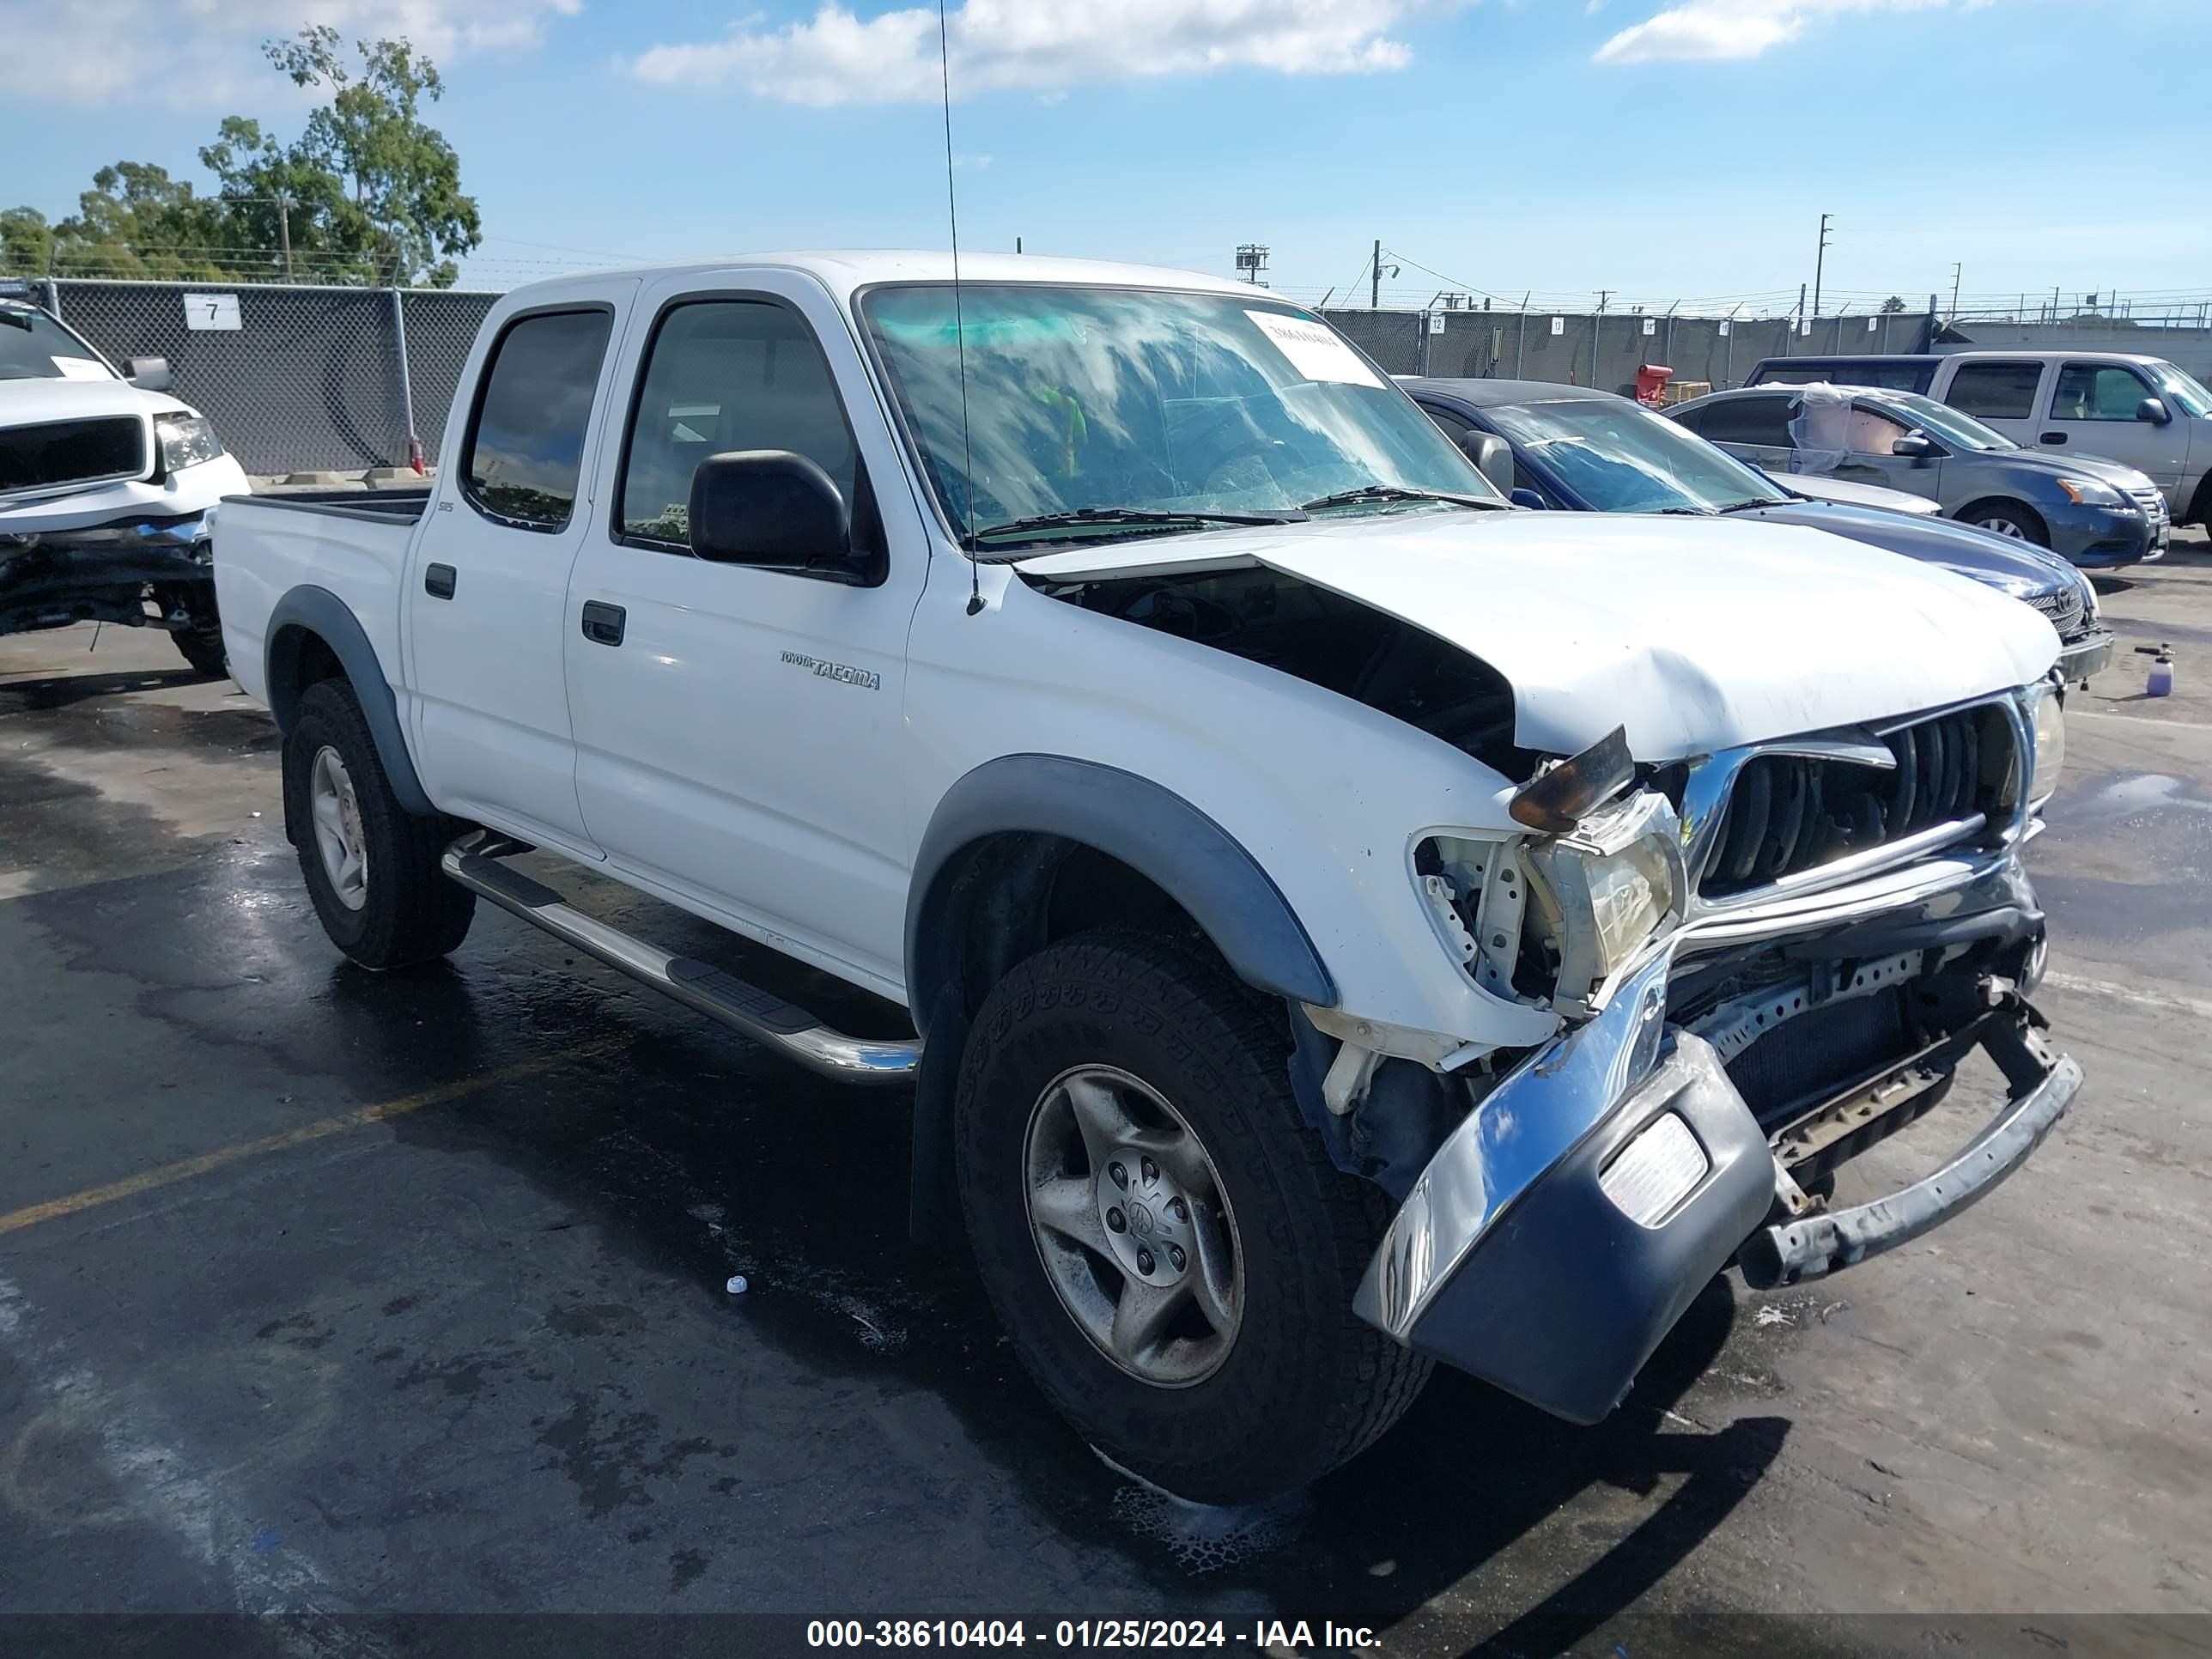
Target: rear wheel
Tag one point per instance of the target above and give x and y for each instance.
(1170, 1248)
(2015, 519)
(371, 865)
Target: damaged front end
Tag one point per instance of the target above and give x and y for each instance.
(150, 570)
(1766, 961)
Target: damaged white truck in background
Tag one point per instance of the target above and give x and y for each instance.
(107, 490)
(1347, 922)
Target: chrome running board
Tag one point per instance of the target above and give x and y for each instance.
(789, 1030)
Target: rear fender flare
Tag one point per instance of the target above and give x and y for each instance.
(310, 610)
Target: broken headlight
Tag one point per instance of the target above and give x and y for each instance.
(186, 440)
(1607, 888)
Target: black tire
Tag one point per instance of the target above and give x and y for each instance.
(2200, 509)
(411, 913)
(1984, 514)
(200, 643)
(1304, 1384)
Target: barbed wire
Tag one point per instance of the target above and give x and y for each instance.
(501, 270)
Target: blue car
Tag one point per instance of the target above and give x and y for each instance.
(1577, 449)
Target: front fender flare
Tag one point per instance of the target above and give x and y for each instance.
(319, 611)
(1147, 827)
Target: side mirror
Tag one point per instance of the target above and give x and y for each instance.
(2155, 410)
(769, 507)
(1491, 455)
(1529, 499)
(150, 373)
(1914, 446)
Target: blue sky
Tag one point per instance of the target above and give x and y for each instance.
(1658, 150)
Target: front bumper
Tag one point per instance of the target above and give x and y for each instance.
(104, 573)
(1509, 1260)
(2090, 655)
(2105, 538)
(69, 515)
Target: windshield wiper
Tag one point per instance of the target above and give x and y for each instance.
(1746, 505)
(1122, 516)
(1395, 493)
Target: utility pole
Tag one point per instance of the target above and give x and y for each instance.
(284, 228)
(1819, 263)
(1374, 279)
(1954, 290)
(1597, 326)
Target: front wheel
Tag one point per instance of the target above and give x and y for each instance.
(1170, 1248)
(199, 642)
(372, 867)
(2013, 520)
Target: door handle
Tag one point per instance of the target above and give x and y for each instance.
(437, 580)
(2054, 437)
(603, 624)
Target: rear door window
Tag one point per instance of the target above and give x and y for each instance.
(1995, 391)
(1764, 422)
(525, 443)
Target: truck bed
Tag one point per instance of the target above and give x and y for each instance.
(352, 543)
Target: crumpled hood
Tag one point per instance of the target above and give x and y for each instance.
(32, 402)
(1696, 634)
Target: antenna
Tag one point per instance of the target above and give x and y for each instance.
(959, 322)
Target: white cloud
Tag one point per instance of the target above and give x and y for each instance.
(836, 57)
(204, 52)
(1724, 29)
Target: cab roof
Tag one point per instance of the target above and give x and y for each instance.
(843, 272)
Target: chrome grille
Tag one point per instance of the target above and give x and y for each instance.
(2064, 607)
(64, 453)
(1788, 813)
(2152, 502)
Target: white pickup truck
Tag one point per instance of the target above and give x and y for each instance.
(1346, 922)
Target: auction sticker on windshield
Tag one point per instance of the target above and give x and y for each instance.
(1313, 349)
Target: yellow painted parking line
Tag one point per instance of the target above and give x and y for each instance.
(168, 1174)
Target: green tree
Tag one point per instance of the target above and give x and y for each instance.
(368, 192)
(1894, 303)
(403, 180)
(136, 220)
(26, 240)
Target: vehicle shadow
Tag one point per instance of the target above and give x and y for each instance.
(696, 1156)
(62, 690)
(1472, 1481)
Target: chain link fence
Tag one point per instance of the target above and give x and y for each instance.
(313, 378)
(296, 379)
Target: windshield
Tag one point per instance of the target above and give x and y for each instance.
(35, 347)
(1621, 458)
(1941, 421)
(1151, 402)
(2177, 386)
